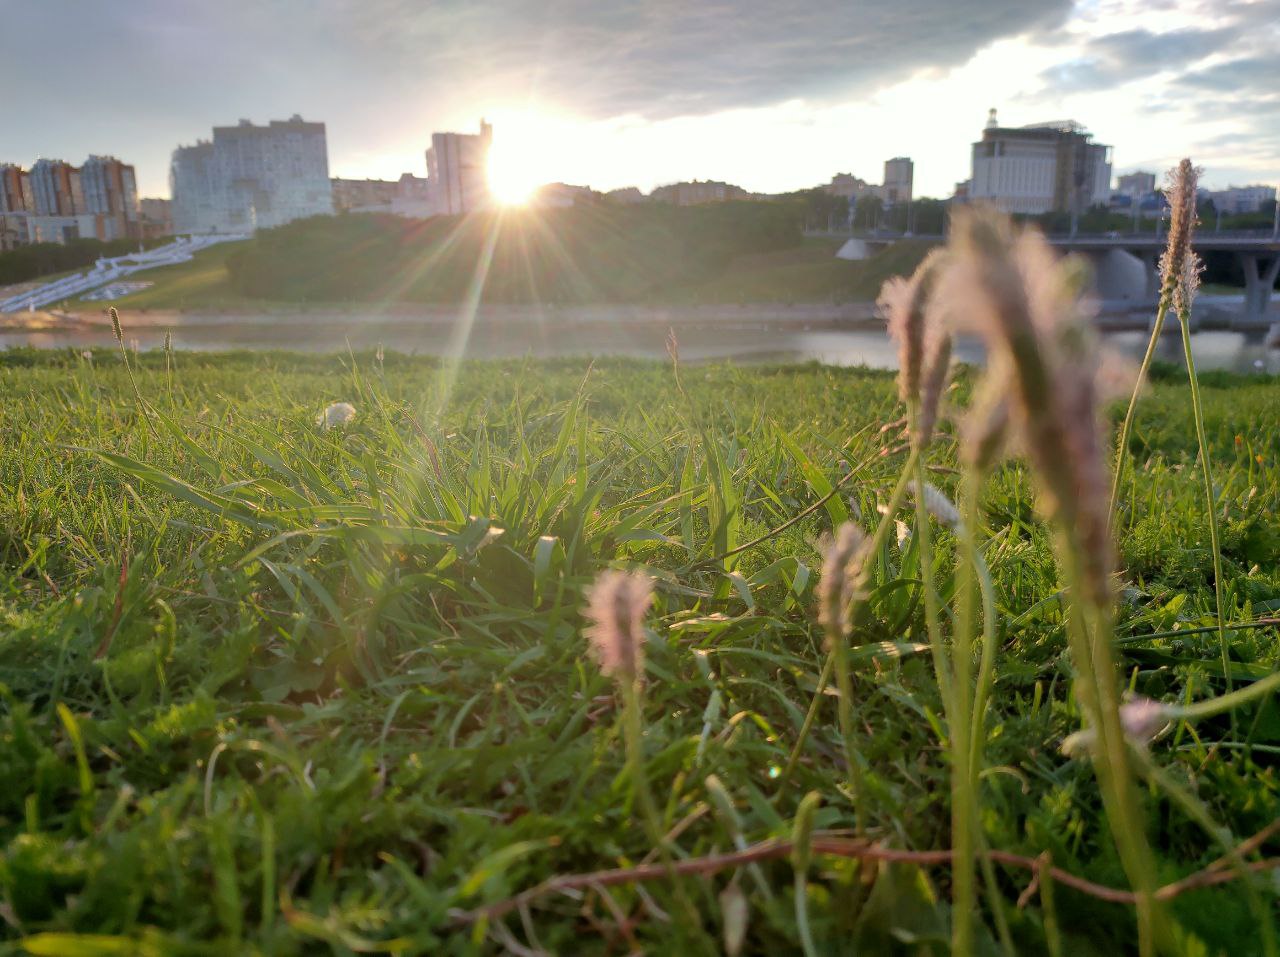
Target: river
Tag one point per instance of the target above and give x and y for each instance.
(841, 343)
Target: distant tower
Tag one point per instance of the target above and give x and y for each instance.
(992, 122)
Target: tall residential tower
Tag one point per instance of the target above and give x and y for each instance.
(251, 177)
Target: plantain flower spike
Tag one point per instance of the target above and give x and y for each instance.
(1180, 266)
(841, 579)
(616, 607)
(937, 504)
(905, 305)
(115, 326)
(1026, 305)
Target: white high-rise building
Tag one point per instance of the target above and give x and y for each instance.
(251, 177)
(1045, 167)
(458, 170)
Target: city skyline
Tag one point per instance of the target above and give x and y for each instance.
(769, 100)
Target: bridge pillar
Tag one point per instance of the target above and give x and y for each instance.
(1260, 274)
(1151, 271)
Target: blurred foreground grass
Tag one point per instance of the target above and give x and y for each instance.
(267, 688)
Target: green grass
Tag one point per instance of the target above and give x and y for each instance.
(345, 693)
(663, 256)
(200, 283)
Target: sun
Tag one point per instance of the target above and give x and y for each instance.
(512, 181)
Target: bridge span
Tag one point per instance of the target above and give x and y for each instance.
(1126, 267)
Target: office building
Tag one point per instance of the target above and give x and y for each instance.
(1045, 167)
(458, 171)
(251, 177)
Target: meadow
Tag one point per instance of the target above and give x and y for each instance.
(274, 688)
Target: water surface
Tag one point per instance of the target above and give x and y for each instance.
(753, 341)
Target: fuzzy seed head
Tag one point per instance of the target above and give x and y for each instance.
(168, 341)
(1141, 719)
(841, 580)
(115, 326)
(336, 416)
(616, 607)
(937, 504)
(1179, 270)
(903, 302)
(933, 380)
(1043, 358)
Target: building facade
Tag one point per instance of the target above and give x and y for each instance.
(156, 216)
(55, 189)
(458, 171)
(15, 189)
(1236, 200)
(109, 190)
(698, 192)
(251, 177)
(1136, 184)
(56, 202)
(349, 194)
(899, 180)
(1045, 167)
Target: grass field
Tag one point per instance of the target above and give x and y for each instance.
(271, 689)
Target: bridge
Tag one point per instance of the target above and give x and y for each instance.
(1257, 253)
(1126, 266)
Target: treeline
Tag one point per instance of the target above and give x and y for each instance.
(581, 254)
(44, 259)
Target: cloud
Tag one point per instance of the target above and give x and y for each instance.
(1250, 76)
(1115, 58)
(655, 59)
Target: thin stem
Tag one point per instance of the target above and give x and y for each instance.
(1122, 445)
(633, 734)
(1184, 320)
(954, 697)
(1227, 702)
(873, 548)
(972, 707)
(1090, 634)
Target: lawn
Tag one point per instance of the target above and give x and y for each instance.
(199, 283)
(267, 688)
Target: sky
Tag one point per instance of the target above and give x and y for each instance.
(608, 93)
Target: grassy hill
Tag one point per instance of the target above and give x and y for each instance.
(728, 253)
